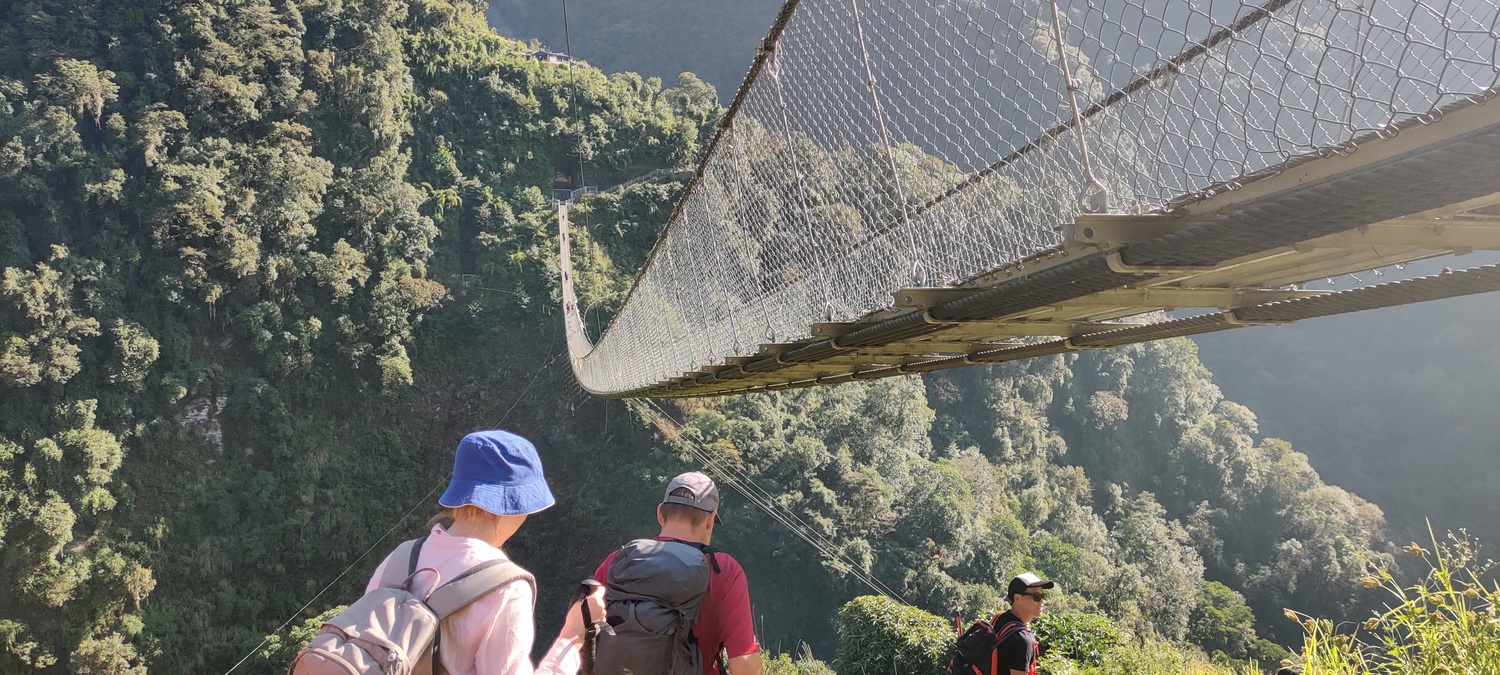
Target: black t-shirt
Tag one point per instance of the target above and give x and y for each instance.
(1018, 651)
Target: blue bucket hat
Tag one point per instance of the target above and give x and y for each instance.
(499, 472)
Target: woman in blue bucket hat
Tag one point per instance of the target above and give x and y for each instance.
(497, 482)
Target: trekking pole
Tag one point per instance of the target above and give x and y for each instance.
(591, 627)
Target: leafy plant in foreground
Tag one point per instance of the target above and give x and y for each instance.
(1448, 621)
(1083, 638)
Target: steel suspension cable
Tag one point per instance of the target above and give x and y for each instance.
(762, 499)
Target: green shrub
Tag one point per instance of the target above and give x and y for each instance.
(1082, 638)
(1154, 658)
(1268, 654)
(877, 635)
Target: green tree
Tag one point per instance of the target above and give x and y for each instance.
(1220, 621)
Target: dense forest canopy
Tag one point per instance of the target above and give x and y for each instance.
(223, 225)
(265, 261)
(1396, 405)
(714, 39)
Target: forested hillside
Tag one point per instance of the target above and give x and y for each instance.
(1397, 405)
(715, 39)
(236, 350)
(232, 347)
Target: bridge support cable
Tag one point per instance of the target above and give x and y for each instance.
(727, 473)
(916, 275)
(801, 193)
(1095, 198)
(1245, 147)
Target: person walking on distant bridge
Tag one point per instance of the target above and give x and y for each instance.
(497, 482)
(674, 603)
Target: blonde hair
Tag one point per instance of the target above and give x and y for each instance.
(443, 517)
(449, 514)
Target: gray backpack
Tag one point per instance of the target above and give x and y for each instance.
(391, 631)
(654, 591)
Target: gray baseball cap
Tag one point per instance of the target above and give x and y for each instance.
(705, 495)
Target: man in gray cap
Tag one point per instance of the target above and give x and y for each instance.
(688, 514)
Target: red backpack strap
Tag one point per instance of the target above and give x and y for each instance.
(1009, 628)
(1002, 633)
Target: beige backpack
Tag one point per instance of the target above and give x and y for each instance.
(391, 631)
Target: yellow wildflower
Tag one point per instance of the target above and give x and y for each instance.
(1414, 549)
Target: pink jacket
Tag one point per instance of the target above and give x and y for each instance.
(493, 636)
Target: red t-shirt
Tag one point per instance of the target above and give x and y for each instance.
(724, 617)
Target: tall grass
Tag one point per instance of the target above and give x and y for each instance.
(1446, 623)
(784, 664)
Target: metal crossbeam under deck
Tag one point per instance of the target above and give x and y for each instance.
(1431, 190)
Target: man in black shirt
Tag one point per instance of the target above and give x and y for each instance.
(1017, 652)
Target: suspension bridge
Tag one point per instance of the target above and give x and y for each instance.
(903, 186)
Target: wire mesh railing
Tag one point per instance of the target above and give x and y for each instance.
(881, 144)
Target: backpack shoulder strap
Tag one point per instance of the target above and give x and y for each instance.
(1007, 629)
(708, 551)
(473, 584)
(396, 573)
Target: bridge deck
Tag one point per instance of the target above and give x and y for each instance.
(1428, 190)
